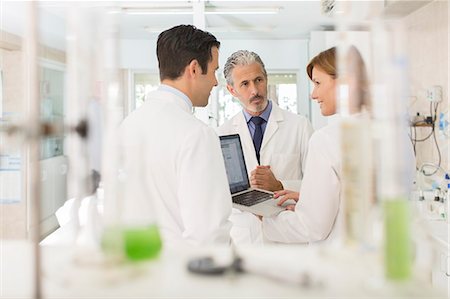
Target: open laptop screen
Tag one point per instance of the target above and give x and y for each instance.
(234, 163)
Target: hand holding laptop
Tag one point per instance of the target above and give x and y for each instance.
(263, 178)
(285, 195)
(253, 200)
(286, 199)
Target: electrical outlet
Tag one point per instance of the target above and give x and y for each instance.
(417, 118)
(420, 120)
(434, 93)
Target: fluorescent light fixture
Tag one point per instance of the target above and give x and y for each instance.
(208, 11)
(219, 29)
(239, 29)
(158, 11)
(242, 11)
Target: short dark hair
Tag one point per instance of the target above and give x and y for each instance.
(179, 45)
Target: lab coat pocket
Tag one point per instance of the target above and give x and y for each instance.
(286, 166)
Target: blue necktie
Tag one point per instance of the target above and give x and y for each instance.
(258, 136)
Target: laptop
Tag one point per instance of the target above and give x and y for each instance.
(256, 201)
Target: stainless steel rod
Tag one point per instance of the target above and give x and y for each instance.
(34, 142)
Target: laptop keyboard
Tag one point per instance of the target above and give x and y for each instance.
(251, 198)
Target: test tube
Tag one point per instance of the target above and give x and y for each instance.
(353, 100)
(396, 160)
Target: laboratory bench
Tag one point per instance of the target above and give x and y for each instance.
(431, 227)
(272, 271)
(81, 269)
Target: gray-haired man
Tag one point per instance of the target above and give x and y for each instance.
(274, 141)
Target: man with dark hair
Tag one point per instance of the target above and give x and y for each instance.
(175, 157)
(194, 44)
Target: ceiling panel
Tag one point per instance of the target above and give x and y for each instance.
(293, 20)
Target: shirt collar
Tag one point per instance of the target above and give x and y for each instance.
(177, 92)
(265, 115)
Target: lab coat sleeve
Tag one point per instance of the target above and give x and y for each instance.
(205, 199)
(318, 206)
(291, 184)
(306, 131)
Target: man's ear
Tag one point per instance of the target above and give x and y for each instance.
(194, 68)
(231, 90)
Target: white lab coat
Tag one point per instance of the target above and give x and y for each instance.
(284, 146)
(174, 168)
(316, 215)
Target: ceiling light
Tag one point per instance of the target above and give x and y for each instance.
(208, 11)
(240, 29)
(242, 11)
(158, 11)
(220, 29)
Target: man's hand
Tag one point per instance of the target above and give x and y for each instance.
(262, 178)
(285, 195)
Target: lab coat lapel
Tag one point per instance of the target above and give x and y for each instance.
(240, 126)
(272, 125)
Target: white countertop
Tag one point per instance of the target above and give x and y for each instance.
(330, 273)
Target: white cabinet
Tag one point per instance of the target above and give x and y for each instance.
(53, 190)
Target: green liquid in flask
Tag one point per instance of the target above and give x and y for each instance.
(142, 243)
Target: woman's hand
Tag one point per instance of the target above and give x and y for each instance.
(285, 195)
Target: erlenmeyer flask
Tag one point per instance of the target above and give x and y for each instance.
(140, 233)
(130, 229)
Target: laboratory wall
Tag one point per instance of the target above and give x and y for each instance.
(427, 47)
(277, 55)
(14, 186)
(427, 37)
(13, 205)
